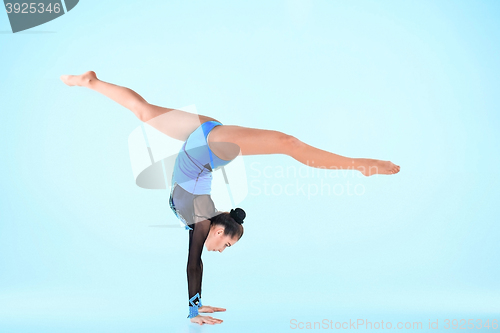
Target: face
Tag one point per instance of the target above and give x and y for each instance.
(217, 241)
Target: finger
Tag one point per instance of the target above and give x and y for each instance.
(215, 319)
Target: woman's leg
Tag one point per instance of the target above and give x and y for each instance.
(175, 123)
(253, 141)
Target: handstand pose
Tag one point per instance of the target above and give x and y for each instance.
(190, 195)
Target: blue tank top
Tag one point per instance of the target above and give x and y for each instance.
(196, 161)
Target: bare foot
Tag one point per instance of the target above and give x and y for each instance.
(79, 80)
(372, 167)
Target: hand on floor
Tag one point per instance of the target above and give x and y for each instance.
(199, 319)
(209, 309)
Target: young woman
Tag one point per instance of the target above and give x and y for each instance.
(208, 145)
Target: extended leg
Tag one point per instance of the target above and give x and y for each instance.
(253, 141)
(175, 123)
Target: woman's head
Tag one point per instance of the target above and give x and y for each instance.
(225, 230)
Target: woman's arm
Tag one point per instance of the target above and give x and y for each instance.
(194, 270)
(203, 210)
(197, 238)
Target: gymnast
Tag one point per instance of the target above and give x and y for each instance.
(209, 145)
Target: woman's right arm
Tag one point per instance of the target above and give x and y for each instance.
(204, 209)
(194, 269)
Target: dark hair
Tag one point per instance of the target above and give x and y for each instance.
(231, 221)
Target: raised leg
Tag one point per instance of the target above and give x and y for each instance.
(253, 141)
(175, 123)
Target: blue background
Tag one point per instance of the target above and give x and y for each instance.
(414, 82)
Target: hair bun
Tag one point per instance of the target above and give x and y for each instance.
(238, 215)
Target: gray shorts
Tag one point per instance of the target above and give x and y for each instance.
(191, 208)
